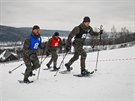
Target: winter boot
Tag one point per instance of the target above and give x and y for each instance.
(26, 80)
(55, 68)
(68, 67)
(49, 67)
(84, 72)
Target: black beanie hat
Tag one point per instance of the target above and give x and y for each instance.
(86, 19)
(35, 27)
(56, 34)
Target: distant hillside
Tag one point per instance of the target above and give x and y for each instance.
(19, 34)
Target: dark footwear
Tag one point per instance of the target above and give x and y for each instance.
(49, 67)
(55, 68)
(68, 67)
(85, 72)
(26, 81)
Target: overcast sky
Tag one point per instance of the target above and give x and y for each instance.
(65, 14)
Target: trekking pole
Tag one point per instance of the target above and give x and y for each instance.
(40, 67)
(41, 63)
(15, 68)
(44, 59)
(63, 56)
(101, 28)
(61, 63)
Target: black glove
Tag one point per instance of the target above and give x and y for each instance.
(32, 57)
(101, 32)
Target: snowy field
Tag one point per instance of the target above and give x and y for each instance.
(114, 80)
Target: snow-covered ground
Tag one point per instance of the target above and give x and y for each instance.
(114, 80)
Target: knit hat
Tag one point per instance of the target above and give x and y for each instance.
(35, 27)
(86, 19)
(56, 34)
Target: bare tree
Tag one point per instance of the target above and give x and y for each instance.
(113, 34)
(124, 32)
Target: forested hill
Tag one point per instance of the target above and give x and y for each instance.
(8, 33)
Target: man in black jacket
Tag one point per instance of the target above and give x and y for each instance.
(80, 33)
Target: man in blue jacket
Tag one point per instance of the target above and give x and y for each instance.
(30, 47)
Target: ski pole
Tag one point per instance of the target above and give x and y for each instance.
(15, 68)
(61, 63)
(41, 63)
(44, 59)
(40, 67)
(63, 56)
(101, 28)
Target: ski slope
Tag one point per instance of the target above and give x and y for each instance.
(114, 80)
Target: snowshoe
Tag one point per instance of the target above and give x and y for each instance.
(25, 81)
(84, 73)
(55, 69)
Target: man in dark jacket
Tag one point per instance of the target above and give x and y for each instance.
(80, 33)
(30, 47)
(51, 48)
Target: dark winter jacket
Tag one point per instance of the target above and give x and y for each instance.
(76, 31)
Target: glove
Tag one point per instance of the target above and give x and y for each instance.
(32, 57)
(101, 32)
